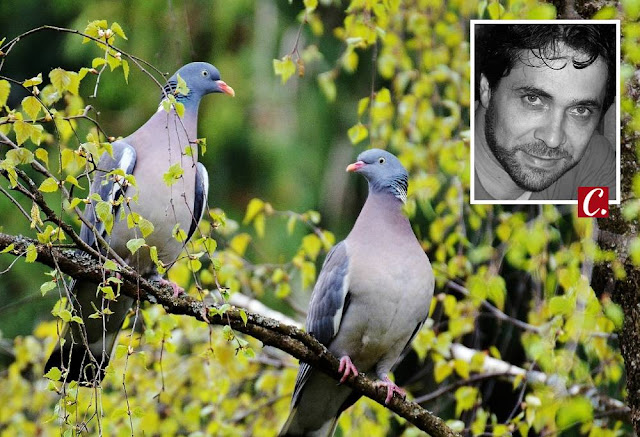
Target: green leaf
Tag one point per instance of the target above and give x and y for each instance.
(210, 245)
(609, 12)
(243, 316)
(560, 305)
(132, 219)
(125, 70)
(285, 68)
(83, 72)
(31, 106)
(202, 143)
(33, 81)
(363, 104)
(310, 5)
(53, 374)
(108, 292)
(172, 175)
(239, 243)
(462, 368)
(97, 62)
(441, 370)
(19, 156)
(327, 85)
(111, 266)
(254, 207)
(227, 333)
(179, 109)
(291, 224)
(43, 155)
(542, 12)
(574, 411)
(74, 202)
(166, 105)
(357, 133)
(614, 313)
(259, 224)
(153, 254)
(631, 10)
(308, 274)
(495, 10)
(23, 131)
(314, 216)
(283, 290)
(182, 87)
(277, 275)
(465, 399)
(65, 80)
(9, 248)
(47, 286)
(121, 351)
(497, 291)
(118, 30)
(134, 244)
(146, 227)
(5, 88)
(103, 212)
(178, 233)
(92, 29)
(32, 253)
(77, 320)
(72, 180)
(311, 245)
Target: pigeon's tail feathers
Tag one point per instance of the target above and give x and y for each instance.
(293, 427)
(87, 347)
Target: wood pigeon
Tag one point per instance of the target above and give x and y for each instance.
(165, 140)
(371, 299)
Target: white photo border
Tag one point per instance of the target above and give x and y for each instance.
(616, 102)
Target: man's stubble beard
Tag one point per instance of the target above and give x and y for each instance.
(529, 179)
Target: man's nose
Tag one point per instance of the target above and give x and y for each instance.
(552, 131)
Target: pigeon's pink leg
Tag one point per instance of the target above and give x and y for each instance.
(391, 389)
(347, 368)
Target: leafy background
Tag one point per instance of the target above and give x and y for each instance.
(313, 79)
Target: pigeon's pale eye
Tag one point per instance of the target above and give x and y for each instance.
(205, 73)
(381, 160)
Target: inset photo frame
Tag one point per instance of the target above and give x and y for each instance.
(546, 119)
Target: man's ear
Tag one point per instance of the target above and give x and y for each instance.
(485, 91)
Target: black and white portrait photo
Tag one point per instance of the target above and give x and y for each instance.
(546, 119)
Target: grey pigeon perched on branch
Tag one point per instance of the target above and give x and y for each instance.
(165, 144)
(371, 299)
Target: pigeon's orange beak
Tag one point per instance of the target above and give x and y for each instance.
(225, 88)
(355, 166)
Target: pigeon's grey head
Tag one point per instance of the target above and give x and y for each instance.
(201, 79)
(384, 172)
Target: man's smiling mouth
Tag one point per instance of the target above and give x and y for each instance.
(542, 162)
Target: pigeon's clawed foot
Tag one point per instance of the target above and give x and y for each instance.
(391, 389)
(347, 368)
(177, 290)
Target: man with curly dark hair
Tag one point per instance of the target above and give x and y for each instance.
(542, 90)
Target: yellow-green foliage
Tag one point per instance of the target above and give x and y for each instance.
(175, 376)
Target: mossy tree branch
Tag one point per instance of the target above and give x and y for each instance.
(269, 331)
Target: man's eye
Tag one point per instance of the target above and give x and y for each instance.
(533, 100)
(581, 112)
